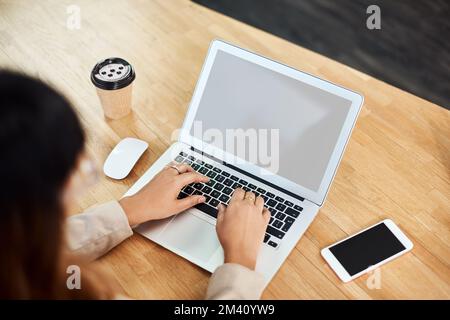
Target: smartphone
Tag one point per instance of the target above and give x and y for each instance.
(366, 250)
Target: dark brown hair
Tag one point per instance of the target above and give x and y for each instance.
(40, 141)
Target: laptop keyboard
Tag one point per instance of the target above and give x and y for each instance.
(220, 188)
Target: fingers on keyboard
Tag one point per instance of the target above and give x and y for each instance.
(222, 186)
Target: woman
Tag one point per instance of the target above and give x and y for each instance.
(43, 169)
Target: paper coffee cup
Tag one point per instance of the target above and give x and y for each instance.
(113, 79)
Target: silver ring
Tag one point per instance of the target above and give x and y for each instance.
(175, 167)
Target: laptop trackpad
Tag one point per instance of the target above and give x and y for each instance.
(192, 235)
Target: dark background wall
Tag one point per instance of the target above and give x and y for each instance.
(411, 51)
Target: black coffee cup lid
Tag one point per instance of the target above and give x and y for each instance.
(112, 74)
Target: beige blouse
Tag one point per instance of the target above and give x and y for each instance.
(93, 233)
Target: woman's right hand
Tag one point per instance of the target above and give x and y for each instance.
(241, 227)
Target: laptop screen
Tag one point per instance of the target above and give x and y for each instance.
(295, 124)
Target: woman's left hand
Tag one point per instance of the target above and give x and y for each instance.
(158, 198)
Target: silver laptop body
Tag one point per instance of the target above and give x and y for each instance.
(303, 124)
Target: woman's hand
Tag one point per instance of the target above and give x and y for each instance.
(241, 227)
(158, 199)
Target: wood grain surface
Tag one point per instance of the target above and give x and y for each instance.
(397, 163)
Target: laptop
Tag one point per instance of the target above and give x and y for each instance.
(263, 126)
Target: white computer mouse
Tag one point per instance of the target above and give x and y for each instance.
(123, 157)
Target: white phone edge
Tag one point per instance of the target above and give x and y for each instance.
(340, 271)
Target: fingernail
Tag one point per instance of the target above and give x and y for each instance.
(201, 199)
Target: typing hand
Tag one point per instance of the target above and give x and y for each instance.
(241, 227)
(158, 199)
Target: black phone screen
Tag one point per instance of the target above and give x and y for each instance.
(366, 249)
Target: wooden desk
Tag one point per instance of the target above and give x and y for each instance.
(396, 165)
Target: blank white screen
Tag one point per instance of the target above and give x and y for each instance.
(242, 94)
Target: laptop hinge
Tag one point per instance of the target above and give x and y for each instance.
(293, 195)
